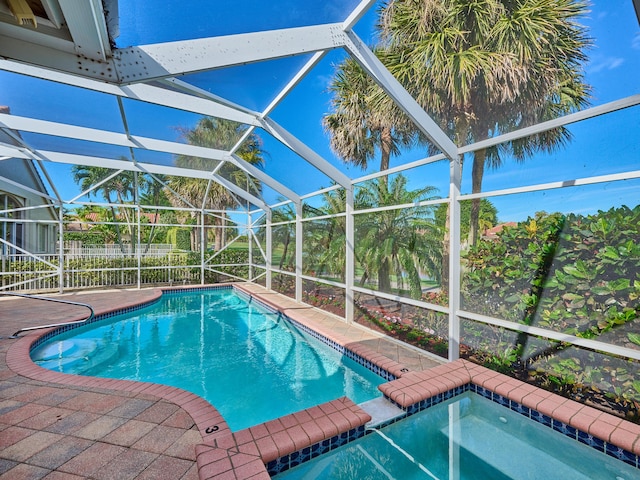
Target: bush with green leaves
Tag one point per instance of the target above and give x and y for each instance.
(573, 274)
(236, 263)
(87, 238)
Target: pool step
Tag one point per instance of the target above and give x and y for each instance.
(77, 355)
(507, 453)
(382, 411)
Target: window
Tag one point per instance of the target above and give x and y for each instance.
(11, 232)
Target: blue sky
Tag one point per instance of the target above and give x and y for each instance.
(600, 146)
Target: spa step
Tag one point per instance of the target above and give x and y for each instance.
(382, 411)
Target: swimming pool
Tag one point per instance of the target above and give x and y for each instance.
(467, 437)
(249, 362)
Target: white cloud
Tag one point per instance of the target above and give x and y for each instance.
(607, 63)
(635, 43)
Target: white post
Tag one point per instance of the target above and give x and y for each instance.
(202, 253)
(61, 248)
(455, 436)
(138, 240)
(268, 232)
(455, 168)
(298, 252)
(349, 272)
(136, 198)
(249, 230)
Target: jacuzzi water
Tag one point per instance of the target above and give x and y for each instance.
(251, 364)
(465, 438)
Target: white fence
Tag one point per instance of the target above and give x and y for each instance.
(89, 267)
(77, 250)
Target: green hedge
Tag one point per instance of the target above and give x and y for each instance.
(226, 257)
(88, 238)
(574, 274)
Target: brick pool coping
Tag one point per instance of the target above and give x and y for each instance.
(415, 387)
(243, 455)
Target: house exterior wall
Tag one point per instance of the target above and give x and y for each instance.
(37, 234)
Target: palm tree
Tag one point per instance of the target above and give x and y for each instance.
(364, 120)
(153, 193)
(399, 241)
(122, 185)
(485, 68)
(219, 134)
(324, 240)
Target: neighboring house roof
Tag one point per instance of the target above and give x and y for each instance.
(491, 233)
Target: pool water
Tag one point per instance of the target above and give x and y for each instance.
(465, 438)
(251, 364)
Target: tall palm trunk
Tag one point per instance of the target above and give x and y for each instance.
(223, 232)
(384, 277)
(287, 239)
(386, 143)
(204, 236)
(117, 227)
(219, 234)
(477, 172)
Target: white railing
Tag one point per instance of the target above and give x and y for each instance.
(88, 269)
(113, 250)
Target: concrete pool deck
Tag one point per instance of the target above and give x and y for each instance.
(58, 426)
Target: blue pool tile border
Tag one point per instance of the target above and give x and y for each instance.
(567, 430)
(194, 289)
(289, 461)
(318, 336)
(284, 463)
(345, 351)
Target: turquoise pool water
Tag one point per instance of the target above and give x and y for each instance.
(465, 438)
(251, 364)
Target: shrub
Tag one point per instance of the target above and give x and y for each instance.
(575, 274)
(572, 274)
